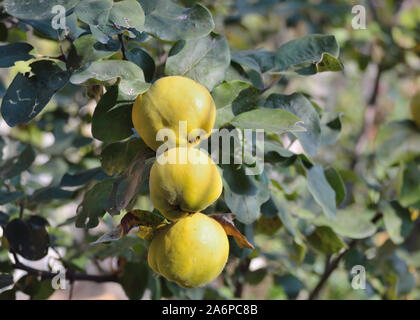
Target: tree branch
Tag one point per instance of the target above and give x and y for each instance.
(72, 276)
(330, 266)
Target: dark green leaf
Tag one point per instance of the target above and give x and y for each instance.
(106, 18)
(6, 197)
(290, 284)
(304, 54)
(205, 60)
(397, 221)
(167, 21)
(50, 193)
(18, 164)
(274, 121)
(302, 108)
(93, 206)
(10, 53)
(28, 239)
(4, 218)
(132, 80)
(325, 240)
(353, 223)
(337, 183)
(134, 279)
(28, 95)
(141, 58)
(409, 184)
(282, 211)
(259, 60)
(36, 289)
(5, 280)
(244, 194)
(255, 277)
(35, 9)
(232, 98)
(112, 119)
(128, 186)
(116, 157)
(87, 49)
(321, 190)
(83, 177)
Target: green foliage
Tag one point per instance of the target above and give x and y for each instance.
(340, 178)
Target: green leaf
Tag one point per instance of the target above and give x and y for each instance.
(255, 277)
(6, 197)
(116, 157)
(259, 60)
(273, 121)
(321, 190)
(50, 193)
(397, 141)
(87, 49)
(10, 53)
(353, 223)
(330, 127)
(93, 206)
(27, 95)
(36, 289)
(141, 58)
(44, 28)
(17, 164)
(278, 204)
(409, 186)
(325, 240)
(303, 55)
(337, 183)
(134, 279)
(397, 221)
(290, 284)
(4, 218)
(127, 14)
(106, 18)
(35, 9)
(244, 194)
(5, 280)
(204, 60)
(27, 238)
(111, 119)
(302, 108)
(232, 98)
(83, 177)
(328, 63)
(132, 80)
(127, 187)
(167, 21)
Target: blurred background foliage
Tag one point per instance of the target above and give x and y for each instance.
(376, 158)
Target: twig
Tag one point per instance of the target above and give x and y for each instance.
(272, 84)
(21, 209)
(120, 38)
(71, 290)
(330, 266)
(239, 285)
(72, 276)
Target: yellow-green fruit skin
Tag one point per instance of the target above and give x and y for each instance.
(171, 100)
(415, 109)
(191, 252)
(178, 188)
